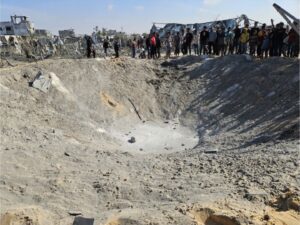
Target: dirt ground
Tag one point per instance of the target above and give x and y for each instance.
(189, 141)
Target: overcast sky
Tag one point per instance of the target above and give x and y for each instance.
(138, 15)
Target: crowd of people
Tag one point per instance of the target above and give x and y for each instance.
(260, 41)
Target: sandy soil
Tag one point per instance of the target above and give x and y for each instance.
(216, 142)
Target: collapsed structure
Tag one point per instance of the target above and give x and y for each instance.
(177, 27)
(18, 25)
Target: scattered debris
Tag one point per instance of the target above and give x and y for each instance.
(42, 82)
(132, 140)
(135, 109)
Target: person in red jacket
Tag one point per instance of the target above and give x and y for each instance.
(153, 46)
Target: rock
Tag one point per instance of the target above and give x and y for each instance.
(75, 213)
(42, 82)
(132, 140)
(211, 151)
(256, 195)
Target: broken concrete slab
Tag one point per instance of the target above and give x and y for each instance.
(83, 221)
(42, 82)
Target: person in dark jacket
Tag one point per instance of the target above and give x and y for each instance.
(105, 45)
(188, 40)
(89, 46)
(158, 45)
(148, 46)
(116, 47)
(236, 41)
(176, 41)
(203, 40)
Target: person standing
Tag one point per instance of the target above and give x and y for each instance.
(133, 47)
(253, 39)
(244, 38)
(265, 48)
(89, 46)
(293, 43)
(168, 44)
(188, 40)
(158, 45)
(116, 47)
(260, 39)
(221, 42)
(195, 43)
(148, 46)
(237, 35)
(105, 46)
(176, 41)
(153, 46)
(212, 41)
(230, 40)
(203, 41)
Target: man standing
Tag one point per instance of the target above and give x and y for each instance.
(158, 45)
(253, 39)
(105, 46)
(176, 40)
(153, 46)
(188, 40)
(237, 35)
(212, 37)
(116, 47)
(148, 46)
(244, 38)
(133, 47)
(260, 39)
(168, 44)
(230, 40)
(203, 40)
(89, 46)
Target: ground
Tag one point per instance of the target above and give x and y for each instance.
(192, 140)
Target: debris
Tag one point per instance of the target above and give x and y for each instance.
(67, 154)
(132, 140)
(211, 151)
(135, 109)
(74, 213)
(83, 221)
(42, 82)
(9, 63)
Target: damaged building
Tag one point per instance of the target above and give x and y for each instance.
(18, 25)
(70, 33)
(177, 27)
